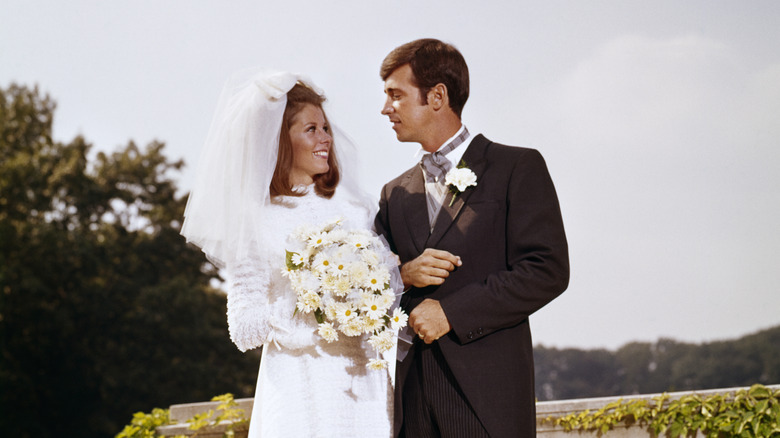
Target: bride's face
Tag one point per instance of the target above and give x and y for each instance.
(311, 144)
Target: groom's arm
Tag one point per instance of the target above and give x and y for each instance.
(431, 267)
(536, 256)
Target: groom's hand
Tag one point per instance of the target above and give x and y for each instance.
(429, 268)
(429, 321)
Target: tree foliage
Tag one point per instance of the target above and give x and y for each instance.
(104, 309)
(663, 366)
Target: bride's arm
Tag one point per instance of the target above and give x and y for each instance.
(248, 309)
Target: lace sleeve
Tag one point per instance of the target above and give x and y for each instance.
(248, 309)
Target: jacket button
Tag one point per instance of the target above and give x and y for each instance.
(479, 331)
(471, 335)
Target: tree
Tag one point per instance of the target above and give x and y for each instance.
(104, 309)
(663, 366)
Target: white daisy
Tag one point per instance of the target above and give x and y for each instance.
(377, 364)
(398, 319)
(343, 287)
(359, 240)
(308, 301)
(371, 325)
(383, 341)
(372, 307)
(330, 282)
(358, 273)
(369, 257)
(322, 263)
(327, 332)
(353, 327)
(318, 240)
(377, 279)
(345, 312)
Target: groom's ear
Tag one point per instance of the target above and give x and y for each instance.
(438, 97)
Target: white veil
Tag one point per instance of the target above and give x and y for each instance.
(224, 213)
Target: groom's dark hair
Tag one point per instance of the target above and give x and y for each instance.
(433, 62)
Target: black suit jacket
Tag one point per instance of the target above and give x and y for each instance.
(509, 234)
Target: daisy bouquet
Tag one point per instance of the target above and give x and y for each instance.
(344, 278)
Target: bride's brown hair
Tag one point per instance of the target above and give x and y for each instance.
(324, 184)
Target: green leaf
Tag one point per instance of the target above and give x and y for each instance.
(289, 262)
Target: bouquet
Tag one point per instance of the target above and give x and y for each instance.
(344, 279)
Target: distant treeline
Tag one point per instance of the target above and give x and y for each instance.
(663, 366)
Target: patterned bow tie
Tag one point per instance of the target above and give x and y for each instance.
(437, 165)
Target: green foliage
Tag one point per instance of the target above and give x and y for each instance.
(748, 413)
(666, 365)
(145, 425)
(104, 308)
(227, 414)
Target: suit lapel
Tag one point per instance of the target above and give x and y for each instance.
(415, 208)
(475, 160)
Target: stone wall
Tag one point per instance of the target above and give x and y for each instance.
(181, 413)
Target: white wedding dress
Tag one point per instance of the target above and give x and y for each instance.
(306, 387)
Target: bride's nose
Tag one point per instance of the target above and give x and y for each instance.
(325, 136)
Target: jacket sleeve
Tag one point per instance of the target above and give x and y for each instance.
(381, 222)
(537, 261)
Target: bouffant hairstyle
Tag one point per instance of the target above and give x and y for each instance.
(324, 184)
(433, 62)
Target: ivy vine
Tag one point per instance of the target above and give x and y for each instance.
(753, 412)
(227, 413)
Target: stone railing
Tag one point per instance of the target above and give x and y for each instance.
(560, 408)
(181, 413)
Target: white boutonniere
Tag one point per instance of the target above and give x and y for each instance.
(459, 179)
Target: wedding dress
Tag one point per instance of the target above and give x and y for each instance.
(306, 387)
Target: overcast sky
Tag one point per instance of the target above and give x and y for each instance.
(659, 121)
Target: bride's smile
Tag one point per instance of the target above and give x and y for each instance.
(311, 144)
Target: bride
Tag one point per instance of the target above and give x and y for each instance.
(270, 165)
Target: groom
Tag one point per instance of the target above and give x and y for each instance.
(477, 260)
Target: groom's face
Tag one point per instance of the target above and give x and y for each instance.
(404, 106)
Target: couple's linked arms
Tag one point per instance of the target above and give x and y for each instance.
(430, 268)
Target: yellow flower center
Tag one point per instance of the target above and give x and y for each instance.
(325, 263)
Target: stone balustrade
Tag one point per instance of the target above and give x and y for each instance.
(181, 413)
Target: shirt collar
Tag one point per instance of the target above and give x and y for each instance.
(456, 154)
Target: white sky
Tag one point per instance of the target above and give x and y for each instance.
(660, 123)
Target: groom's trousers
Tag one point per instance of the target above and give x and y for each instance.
(433, 403)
